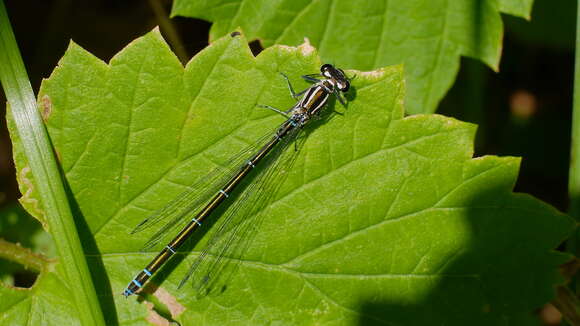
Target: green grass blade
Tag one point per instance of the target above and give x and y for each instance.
(41, 159)
(574, 176)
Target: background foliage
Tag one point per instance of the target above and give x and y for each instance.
(428, 37)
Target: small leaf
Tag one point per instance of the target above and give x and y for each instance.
(427, 36)
(384, 219)
(47, 303)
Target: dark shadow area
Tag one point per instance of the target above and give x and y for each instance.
(21, 276)
(504, 262)
(351, 94)
(525, 110)
(256, 47)
(158, 306)
(96, 266)
(25, 279)
(478, 12)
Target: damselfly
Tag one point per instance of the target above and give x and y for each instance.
(193, 206)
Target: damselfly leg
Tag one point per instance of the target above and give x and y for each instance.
(286, 114)
(294, 95)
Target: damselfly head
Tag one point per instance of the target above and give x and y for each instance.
(337, 75)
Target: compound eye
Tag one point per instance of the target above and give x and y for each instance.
(325, 67)
(344, 87)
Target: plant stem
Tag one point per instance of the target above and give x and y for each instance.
(48, 181)
(169, 29)
(574, 173)
(24, 256)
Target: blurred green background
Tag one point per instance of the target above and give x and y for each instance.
(524, 110)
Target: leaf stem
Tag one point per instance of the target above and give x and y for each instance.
(48, 180)
(169, 30)
(24, 256)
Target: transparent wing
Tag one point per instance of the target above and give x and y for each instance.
(179, 211)
(234, 229)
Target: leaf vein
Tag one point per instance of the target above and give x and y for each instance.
(297, 15)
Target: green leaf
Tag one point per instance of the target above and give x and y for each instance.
(521, 8)
(383, 219)
(427, 36)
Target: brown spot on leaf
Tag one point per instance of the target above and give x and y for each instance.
(175, 308)
(58, 156)
(306, 48)
(45, 107)
(165, 298)
(154, 318)
(373, 74)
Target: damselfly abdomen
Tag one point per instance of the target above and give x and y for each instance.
(192, 209)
